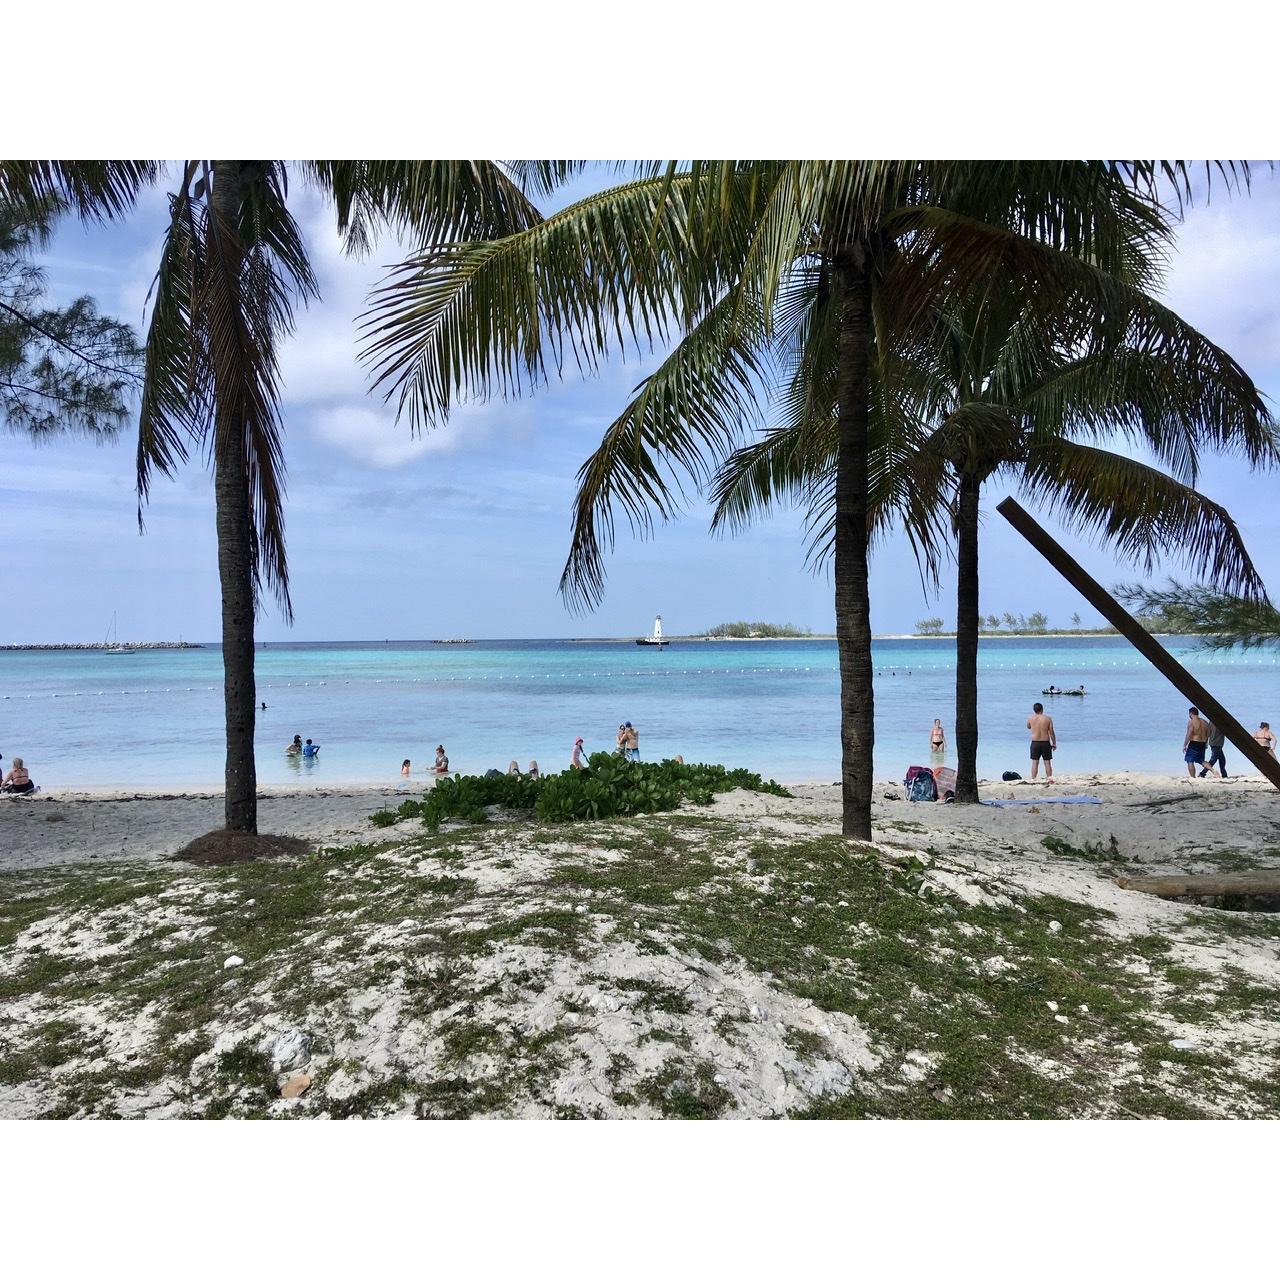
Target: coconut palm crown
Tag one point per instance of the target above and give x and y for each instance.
(784, 286)
(233, 266)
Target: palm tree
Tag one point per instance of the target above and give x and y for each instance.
(1000, 392)
(783, 280)
(232, 268)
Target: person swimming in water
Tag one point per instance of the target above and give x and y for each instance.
(310, 751)
(404, 769)
(442, 760)
(937, 737)
(295, 747)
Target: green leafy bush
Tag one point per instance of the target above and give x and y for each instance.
(608, 788)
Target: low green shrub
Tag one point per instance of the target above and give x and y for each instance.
(608, 788)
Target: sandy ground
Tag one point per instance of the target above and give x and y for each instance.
(46, 830)
(961, 966)
(1168, 822)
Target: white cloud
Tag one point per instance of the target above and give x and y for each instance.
(369, 434)
(1225, 274)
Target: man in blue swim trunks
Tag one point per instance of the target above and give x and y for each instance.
(1195, 740)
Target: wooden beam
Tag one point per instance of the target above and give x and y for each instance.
(1204, 886)
(1142, 640)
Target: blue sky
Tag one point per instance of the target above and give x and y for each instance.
(464, 532)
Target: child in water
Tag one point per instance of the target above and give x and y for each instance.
(404, 769)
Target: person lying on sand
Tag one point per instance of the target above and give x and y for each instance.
(442, 760)
(1195, 740)
(17, 781)
(1265, 738)
(1044, 741)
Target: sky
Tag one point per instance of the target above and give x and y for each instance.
(463, 532)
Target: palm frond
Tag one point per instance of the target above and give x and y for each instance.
(1140, 512)
(431, 201)
(617, 270)
(97, 190)
(691, 410)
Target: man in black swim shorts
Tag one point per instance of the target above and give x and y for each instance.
(1043, 741)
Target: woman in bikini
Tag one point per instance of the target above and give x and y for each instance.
(937, 738)
(18, 781)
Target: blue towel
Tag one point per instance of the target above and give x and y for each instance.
(1009, 804)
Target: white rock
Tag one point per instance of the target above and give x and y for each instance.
(757, 1013)
(249, 902)
(719, 1079)
(581, 909)
(1084, 1008)
(233, 962)
(408, 924)
(1053, 1005)
(288, 1050)
(1182, 1044)
(1057, 1017)
(1055, 926)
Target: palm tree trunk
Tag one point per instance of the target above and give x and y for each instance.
(967, 624)
(235, 546)
(853, 602)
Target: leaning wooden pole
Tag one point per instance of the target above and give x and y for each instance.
(1142, 640)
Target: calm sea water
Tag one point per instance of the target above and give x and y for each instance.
(154, 719)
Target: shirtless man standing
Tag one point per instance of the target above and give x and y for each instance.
(1195, 740)
(1044, 741)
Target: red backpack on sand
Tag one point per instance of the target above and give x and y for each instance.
(920, 783)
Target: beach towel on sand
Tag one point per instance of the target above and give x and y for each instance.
(1008, 804)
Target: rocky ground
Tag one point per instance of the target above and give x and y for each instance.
(736, 961)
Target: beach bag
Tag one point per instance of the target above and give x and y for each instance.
(1009, 776)
(920, 784)
(946, 780)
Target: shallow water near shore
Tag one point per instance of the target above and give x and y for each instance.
(154, 718)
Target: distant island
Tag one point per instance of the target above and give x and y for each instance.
(757, 631)
(100, 646)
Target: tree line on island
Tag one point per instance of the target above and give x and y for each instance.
(872, 341)
(1029, 624)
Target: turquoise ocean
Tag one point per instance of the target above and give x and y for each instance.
(153, 719)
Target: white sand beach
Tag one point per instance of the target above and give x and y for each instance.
(49, 829)
(1167, 821)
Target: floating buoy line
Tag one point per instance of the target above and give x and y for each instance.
(1044, 669)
